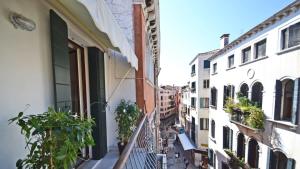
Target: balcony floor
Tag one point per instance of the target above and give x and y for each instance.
(107, 162)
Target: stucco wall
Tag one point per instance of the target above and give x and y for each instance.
(26, 74)
(267, 71)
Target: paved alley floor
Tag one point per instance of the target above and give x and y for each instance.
(177, 162)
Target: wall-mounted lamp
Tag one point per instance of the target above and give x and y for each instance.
(20, 21)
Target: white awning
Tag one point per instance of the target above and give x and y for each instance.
(105, 22)
(185, 142)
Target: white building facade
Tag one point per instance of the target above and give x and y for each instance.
(167, 101)
(199, 103)
(262, 65)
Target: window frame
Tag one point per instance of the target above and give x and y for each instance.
(206, 64)
(243, 55)
(204, 102)
(215, 68)
(230, 65)
(285, 36)
(256, 45)
(205, 83)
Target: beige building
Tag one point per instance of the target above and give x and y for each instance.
(167, 101)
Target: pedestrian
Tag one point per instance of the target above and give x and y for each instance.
(186, 163)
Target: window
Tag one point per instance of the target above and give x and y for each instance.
(206, 83)
(290, 36)
(227, 138)
(246, 54)
(278, 160)
(193, 87)
(193, 128)
(256, 96)
(244, 90)
(230, 61)
(161, 98)
(241, 146)
(213, 96)
(193, 70)
(212, 126)
(260, 49)
(211, 158)
(287, 100)
(204, 124)
(161, 104)
(204, 102)
(206, 64)
(193, 102)
(228, 92)
(214, 68)
(253, 154)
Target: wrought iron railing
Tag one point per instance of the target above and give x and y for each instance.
(139, 153)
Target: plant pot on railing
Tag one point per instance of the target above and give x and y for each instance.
(245, 112)
(127, 115)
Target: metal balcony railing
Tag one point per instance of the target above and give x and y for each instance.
(139, 153)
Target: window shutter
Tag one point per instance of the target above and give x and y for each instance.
(61, 63)
(201, 123)
(278, 93)
(230, 139)
(296, 101)
(97, 101)
(291, 163)
(209, 157)
(224, 95)
(232, 91)
(224, 137)
(272, 159)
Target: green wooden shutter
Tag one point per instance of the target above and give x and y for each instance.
(61, 62)
(278, 93)
(272, 159)
(291, 163)
(225, 91)
(98, 101)
(231, 139)
(201, 124)
(232, 91)
(296, 101)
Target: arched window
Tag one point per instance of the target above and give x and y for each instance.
(256, 96)
(253, 154)
(212, 126)
(287, 99)
(241, 146)
(278, 160)
(244, 90)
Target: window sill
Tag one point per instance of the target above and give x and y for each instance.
(288, 50)
(286, 123)
(212, 139)
(230, 68)
(255, 60)
(213, 107)
(214, 73)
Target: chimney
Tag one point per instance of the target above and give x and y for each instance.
(224, 40)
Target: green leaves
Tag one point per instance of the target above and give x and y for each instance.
(127, 117)
(53, 139)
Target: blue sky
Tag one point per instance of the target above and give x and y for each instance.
(189, 27)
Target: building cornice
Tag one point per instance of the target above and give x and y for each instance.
(293, 7)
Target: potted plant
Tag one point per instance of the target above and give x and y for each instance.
(127, 115)
(53, 138)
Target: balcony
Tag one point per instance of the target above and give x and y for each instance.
(245, 115)
(234, 161)
(193, 74)
(140, 152)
